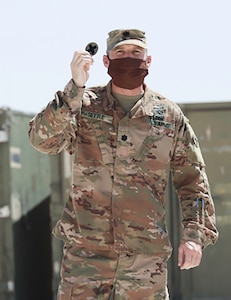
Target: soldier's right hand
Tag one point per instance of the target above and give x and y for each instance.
(80, 66)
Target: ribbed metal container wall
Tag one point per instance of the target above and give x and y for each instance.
(211, 280)
(25, 252)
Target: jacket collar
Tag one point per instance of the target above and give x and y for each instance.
(144, 107)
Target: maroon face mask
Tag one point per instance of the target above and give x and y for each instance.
(127, 72)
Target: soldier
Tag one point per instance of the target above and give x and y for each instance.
(124, 138)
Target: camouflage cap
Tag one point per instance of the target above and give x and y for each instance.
(126, 36)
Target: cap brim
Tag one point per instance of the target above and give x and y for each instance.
(131, 42)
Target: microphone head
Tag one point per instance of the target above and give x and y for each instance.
(92, 48)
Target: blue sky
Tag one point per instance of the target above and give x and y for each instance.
(189, 40)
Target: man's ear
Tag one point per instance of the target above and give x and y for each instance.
(149, 60)
(106, 61)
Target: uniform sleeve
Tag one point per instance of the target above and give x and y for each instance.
(54, 129)
(192, 187)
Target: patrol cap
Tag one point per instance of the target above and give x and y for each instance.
(126, 36)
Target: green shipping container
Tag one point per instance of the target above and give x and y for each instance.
(211, 280)
(25, 175)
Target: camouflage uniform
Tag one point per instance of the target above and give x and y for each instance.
(103, 274)
(121, 165)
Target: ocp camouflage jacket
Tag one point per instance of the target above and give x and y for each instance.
(121, 165)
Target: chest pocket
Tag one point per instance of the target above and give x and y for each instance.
(94, 138)
(156, 149)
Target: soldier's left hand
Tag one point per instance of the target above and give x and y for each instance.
(189, 255)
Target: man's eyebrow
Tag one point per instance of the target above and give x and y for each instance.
(124, 46)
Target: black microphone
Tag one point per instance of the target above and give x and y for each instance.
(92, 48)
